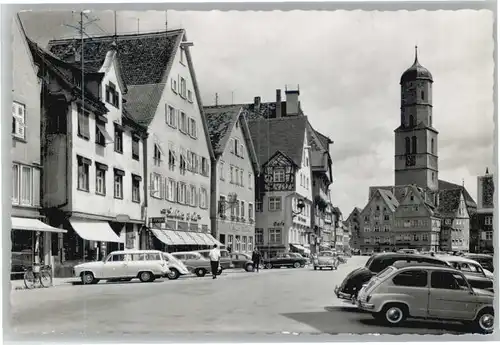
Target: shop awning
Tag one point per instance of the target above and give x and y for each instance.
(185, 236)
(31, 224)
(176, 238)
(213, 240)
(201, 238)
(163, 236)
(94, 230)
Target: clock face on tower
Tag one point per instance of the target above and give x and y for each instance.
(410, 160)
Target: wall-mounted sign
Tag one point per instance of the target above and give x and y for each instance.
(281, 223)
(157, 220)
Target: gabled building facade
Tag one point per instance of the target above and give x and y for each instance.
(455, 223)
(282, 150)
(29, 229)
(232, 178)
(485, 209)
(91, 144)
(377, 219)
(163, 97)
(354, 219)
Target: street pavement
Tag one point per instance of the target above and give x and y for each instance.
(273, 301)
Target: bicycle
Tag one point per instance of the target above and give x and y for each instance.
(38, 273)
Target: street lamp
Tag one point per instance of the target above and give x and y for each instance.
(300, 206)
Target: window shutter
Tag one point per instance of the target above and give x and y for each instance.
(152, 184)
(241, 151)
(36, 187)
(200, 197)
(178, 192)
(162, 187)
(166, 113)
(188, 124)
(195, 197)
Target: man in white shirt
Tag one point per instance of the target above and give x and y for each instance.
(214, 260)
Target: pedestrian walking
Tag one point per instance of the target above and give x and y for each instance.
(256, 259)
(214, 255)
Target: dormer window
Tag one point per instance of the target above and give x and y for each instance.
(112, 96)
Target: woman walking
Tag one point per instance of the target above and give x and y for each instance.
(256, 259)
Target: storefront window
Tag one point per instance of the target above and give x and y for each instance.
(23, 244)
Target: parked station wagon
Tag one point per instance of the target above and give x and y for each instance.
(426, 291)
(284, 260)
(147, 265)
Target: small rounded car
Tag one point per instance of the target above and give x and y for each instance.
(147, 265)
(477, 276)
(195, 263)
(242, 260)
(176, 267)
(411, 290)
(326, 259)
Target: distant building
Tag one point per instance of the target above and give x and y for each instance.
(338, 243)
(355, 221)
(485, 209)
(233, 173)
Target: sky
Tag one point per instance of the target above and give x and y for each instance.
(347, 65)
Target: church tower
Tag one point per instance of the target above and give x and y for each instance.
(416, 158)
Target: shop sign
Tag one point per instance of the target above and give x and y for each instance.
(157, 220)
(281, 223)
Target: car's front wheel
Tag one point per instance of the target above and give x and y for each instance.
(269, 265)
(173, 274)
(200, 272)
(393, 314)
(296, 264)
(146, 277)
(88, 278)
(249, 268)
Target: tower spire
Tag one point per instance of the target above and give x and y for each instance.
(416, 54)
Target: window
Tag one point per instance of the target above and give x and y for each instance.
(193, 131)
(112, 96)
(489, 235)
(204, 166)
(136, 192)
(241, 178)
(203, 198)
(250, 210)
(279, 175)
(236, 147)
(29, 188)
(183, 122)
(413, 278)
(488, 220)
(259, 206)
(194, 199)
(274, 203)
(155, 185)
(231, 171)
(447, 281)
(171, 116)
(190, 96)
(231, 145)
(157, 155)
(83, 173)
(259, 236)
(413, 144)
(116, 257)
(407, 145)
(425, 237)
(183, 87)
(183, 162)
(15, 183)
(118, 138)
(188, 196)
(100, 178)
(221, 170)
(222, 205)
(18, 120)
(101, 134)
(432, 146)
(274, 235)
(83, 124)
(250, 180)
(173, 85)
(387, 228)
(171, 190)
(242, 209)
(135, 147)
(250, 244)
(244, 245)
(119, 183)
(181, 191)
(242, 151)
(171, 156)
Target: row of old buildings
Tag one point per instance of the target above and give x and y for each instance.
(421, 211)
(113, 149)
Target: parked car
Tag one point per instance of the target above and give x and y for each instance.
(326, 259)
(242, 260)
(351, 285)
(225, 258)
(176, 266)
(147, 265)
(284, 260)
(426, 291)
(298, 255)
(195, 263)
(477, 276)
(408, 251)
(486, 260)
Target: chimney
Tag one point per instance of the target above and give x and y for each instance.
(292, 102)
(278, 103)
(256, 104)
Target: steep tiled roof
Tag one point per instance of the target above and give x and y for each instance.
(389, 199)
(220, 122)
(281, 134)
(324, 139)
(449, 200)
(445, 185)
(68, 75)
(143, 59)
